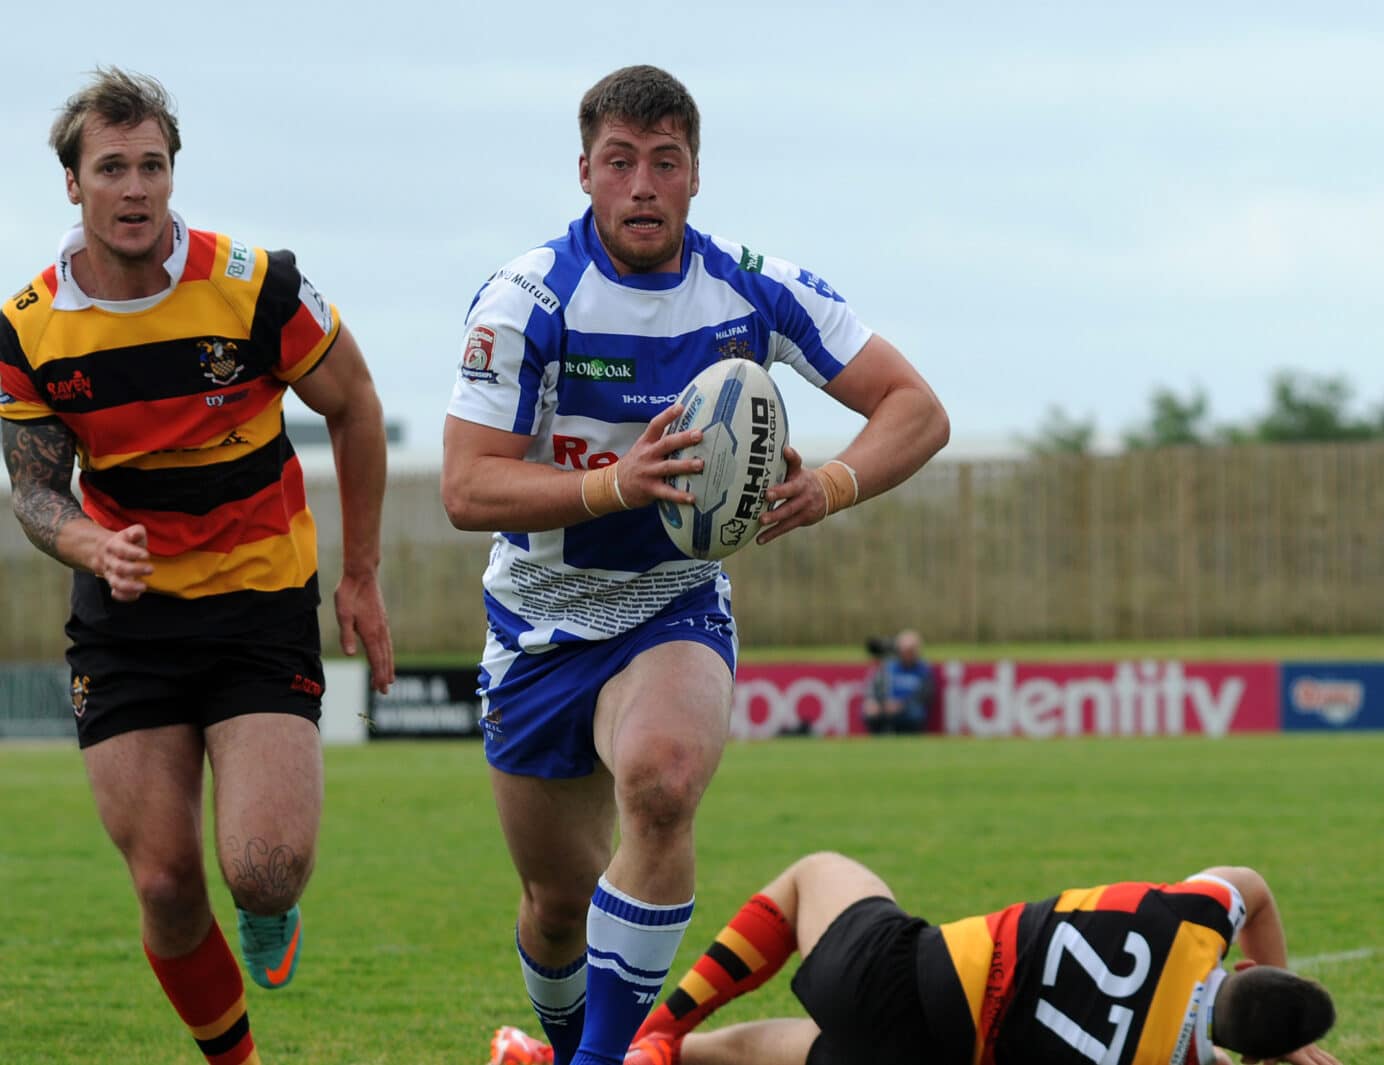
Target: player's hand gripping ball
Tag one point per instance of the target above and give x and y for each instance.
(740, 412)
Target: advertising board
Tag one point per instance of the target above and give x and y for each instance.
(1333, 696)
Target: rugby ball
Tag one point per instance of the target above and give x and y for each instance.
(740, 412)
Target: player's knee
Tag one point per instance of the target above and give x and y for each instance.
(169, 888)
(557, 914)
(829, 867)
(660, 797)
(821, 863)
(268, 899)
(270, 886)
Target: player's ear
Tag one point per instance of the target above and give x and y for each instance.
(584, 174)
(74, 191)
(696, 176)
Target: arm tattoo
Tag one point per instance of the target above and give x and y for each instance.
(39, 458)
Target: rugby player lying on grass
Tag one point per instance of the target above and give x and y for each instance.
(1121, 974)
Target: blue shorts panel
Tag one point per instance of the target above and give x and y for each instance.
(539, 709)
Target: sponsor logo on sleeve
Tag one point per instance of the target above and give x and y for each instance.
(540, 294)
(220, 363)
(819, 286)
(583, 368)
(240, 262)
(316, 305)
(478, 354)
(751, 261)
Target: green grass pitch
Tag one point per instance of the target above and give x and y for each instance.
(408, 941)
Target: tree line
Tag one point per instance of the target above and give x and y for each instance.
(1303, 408)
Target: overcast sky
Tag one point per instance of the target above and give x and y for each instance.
(1040, 204)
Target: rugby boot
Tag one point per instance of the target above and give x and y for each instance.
(270, 946)
(511, 1046)
(656, 1048)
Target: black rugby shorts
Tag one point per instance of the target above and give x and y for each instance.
(860, 984)
(125, 685)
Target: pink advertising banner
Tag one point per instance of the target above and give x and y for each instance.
(1167, 697)
(1039, 700)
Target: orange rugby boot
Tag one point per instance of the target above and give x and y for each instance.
(511, 1046)
(656, 1048)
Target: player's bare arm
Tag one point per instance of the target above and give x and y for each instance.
(487, 485)
(1262, 939)
(1263, 942)
(905, 426)
(340, 389)
(40, 461)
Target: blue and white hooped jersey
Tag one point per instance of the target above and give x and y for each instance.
(561, 348)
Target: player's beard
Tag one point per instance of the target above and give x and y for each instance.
(640, 258)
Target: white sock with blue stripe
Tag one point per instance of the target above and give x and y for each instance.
(559, 998)
(629, 947)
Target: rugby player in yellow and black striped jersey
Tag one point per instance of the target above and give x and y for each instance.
(1122, 974)
(156, 358)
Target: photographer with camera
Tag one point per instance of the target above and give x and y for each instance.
(902, 688)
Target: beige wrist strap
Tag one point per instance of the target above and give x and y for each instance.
(840, 484)
(600, 491)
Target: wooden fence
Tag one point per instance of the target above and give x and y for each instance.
(1170, 543)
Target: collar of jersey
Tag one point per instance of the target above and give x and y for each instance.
(70, 297)
(650, 282)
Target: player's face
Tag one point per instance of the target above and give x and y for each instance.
(124, 180)
(641, 184)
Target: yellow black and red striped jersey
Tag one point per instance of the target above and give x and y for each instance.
(176, 404)
(1121, 974)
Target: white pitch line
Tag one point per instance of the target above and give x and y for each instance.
(1326, 959)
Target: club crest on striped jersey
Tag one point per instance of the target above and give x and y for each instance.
(220, 363)
(478, 354)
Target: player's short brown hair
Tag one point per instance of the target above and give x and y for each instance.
(117, 98)
(1267, 1012)
(643, 96)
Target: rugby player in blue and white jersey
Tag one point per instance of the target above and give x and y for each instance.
(606, 678)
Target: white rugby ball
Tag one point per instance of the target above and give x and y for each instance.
(740, 412)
